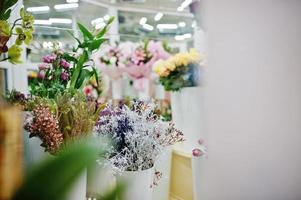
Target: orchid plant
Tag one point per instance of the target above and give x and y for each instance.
(22, 28)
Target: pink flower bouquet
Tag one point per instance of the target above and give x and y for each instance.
(139, 64)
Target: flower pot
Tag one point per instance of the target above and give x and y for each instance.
(143, 87)
(138, 184)
(163, 165)
(196, 163)
(186, 117)
(117, 89)
(33, 152)
(100, 179)
(78, 189)
(159, 92)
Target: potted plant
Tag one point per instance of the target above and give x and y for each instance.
(57, 109)
(180, 74)
(137, 137)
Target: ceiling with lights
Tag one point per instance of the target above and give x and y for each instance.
(157, 19)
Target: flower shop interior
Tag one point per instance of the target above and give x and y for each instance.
(150, 100)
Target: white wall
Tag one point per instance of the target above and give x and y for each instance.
(253, 100)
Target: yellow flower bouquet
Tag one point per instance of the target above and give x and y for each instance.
(179, 71)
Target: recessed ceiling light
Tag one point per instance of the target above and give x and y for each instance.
(182, 24)
(42, 22)
(183, 37)
(167, 26)
(158, 16)
(180, 9)
(38, 9)
(71, 1)
(148, 27)
(66, 6)
(143, 21)
(186, 3)
(60, 21)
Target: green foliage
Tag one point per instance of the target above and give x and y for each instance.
(77, 116)
(175, 80)
(4, 8)
(53, 178)
(89, 44)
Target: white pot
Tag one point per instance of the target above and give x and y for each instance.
(33, 152)
(159, 92)
(187, 114)
(138, 184)
(196, 163)
(117, 89)
(163, 164)
(176, 109)
(78, 189)
(144, 94)
(100, 180)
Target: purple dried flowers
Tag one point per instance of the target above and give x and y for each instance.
(138, 135)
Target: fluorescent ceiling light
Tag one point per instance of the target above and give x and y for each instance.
(148, 27)
(100, 25)
(60, 21)
(42, 22)
(71, 1)
(143, 21)
(167, 26)
(186, 3)
(182, 24)
(97, 21)
(38, 9)
(180, 9)
(106, 17)
(158, 16)
(183, 37)
(66, 6)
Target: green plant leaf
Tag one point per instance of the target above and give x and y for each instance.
(75, 75)
(78, 41)
(53, 178)
(95, 73)
(105, 29)
(5, 15)
(95, 44)
(85, 32)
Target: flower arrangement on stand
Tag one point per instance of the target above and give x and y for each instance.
(110, 61)
(58, 110)
(181, 75)
(137, 137)
(21, 29)
(179, 71)
(139, 65)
